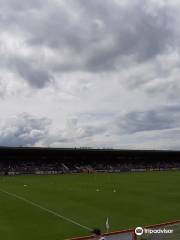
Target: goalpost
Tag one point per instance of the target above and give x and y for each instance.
(163, 231)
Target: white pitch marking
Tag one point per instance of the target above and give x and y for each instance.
(45, 209)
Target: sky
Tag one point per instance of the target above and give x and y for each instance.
(90, 73)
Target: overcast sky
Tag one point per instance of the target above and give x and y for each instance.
(90, 73)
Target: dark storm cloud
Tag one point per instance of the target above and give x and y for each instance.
(24, 130)
(130, 30)
(134, 30)
(33, 72)
(92, 36)
(150, 120)
(36, 76)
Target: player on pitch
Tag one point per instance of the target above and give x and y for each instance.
(97, 234)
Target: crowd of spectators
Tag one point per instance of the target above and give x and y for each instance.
(60, 167)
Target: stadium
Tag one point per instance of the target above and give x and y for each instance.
(89, 120)
(56, 193)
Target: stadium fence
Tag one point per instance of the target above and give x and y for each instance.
(161, 233)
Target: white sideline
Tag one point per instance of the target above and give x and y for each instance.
(45, 209)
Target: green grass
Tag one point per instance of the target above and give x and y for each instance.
(140, 199)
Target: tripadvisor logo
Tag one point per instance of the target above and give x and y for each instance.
(139, 231)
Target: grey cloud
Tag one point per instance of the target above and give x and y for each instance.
(158, 139)
(92, 131)
(101, 34)
(34, 73)
(88, 36)
(140, 129)
(24, 130)
(134, 129)
(134, 30)
(164, 118)
(111, 54)
(150, 120)
(151, 129)
(170, 89)
(36, 76)
(19, 5)
(77, 130)
(161, 73)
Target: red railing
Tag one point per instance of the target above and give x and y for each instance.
(129, 230)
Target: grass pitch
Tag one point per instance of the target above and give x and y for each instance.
(138, 199)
